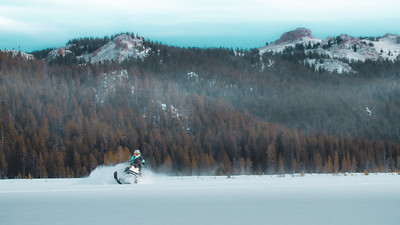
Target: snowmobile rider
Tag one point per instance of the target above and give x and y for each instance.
(137, 159)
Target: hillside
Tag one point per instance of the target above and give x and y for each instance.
(200, 111)
(338, 49)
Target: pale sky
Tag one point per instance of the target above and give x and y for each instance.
(36, 24)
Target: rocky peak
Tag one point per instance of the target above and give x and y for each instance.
(59, 52)
(294, 35)
(126, 42)
(120, 48)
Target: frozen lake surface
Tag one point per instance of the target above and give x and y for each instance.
(313, 199)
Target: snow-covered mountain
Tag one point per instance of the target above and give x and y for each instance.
(120, 48)
(331, 54)
(336, 48)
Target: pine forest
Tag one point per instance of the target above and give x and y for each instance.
(196, 111)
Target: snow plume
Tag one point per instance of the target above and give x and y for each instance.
(104, 175)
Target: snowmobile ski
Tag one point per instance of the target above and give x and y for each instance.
(116, 177)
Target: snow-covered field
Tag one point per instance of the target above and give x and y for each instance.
(312, 199)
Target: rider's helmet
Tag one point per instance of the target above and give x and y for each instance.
(136, 153)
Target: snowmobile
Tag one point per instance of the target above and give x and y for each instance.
(131, 173)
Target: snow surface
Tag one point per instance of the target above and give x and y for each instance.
(97, 199)
(388, 46)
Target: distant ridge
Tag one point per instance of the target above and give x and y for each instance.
(120, 48)
(337, 51)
